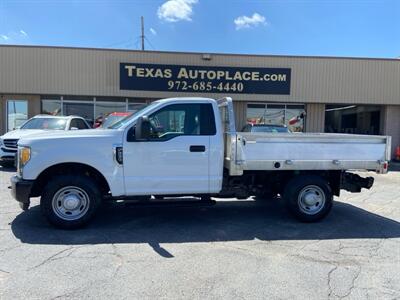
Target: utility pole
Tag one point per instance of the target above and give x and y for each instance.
(142, 36)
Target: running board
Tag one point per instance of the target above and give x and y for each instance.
(175, 203)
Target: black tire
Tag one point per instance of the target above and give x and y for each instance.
(317, 189)
(85, 186)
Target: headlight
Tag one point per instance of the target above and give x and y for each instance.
(1, 142)
(24, 155)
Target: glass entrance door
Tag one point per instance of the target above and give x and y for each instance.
(17, 113)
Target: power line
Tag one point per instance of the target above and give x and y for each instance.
(151, 45)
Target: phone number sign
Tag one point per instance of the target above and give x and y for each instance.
(199, 79)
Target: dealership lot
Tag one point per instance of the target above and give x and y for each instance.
(236, 249)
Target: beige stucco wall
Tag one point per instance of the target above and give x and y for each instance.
(95, 72)
(2, 115)
(240, 114)
(315, 118)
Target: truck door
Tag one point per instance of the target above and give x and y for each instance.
(175, 159)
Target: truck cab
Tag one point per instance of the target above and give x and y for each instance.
(175, 149)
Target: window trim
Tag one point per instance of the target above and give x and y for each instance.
(133, 127)
(7, 112)
(77, 120)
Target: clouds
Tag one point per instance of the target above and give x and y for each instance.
(14, 37)
(153, 31)
(249, 22)
(176, 10)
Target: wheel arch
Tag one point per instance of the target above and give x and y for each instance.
(333, 178)
(69, 168)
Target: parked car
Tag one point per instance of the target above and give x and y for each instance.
(189, 147)
(112, 118)
(37, 124)
(265, 128)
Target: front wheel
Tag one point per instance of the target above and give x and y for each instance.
(70, 201)
(309, 198)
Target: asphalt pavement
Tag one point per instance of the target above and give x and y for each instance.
(236, 249)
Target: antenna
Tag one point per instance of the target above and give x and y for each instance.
(142, 36)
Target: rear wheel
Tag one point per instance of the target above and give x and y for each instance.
(309, 198)
(70, 201)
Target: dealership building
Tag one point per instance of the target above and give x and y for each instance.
(308, 94)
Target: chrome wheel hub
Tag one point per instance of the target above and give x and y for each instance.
(311, 199)
(70, 203)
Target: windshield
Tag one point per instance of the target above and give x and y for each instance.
(45, 123)
(111, 120)
(126, 120)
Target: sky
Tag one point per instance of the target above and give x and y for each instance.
(356, 28)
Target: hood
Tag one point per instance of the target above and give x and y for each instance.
(85, 135)
(20, 133)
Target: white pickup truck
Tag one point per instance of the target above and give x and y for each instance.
(189, 147)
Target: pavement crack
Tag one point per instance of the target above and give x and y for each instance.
(53, 257)
(120, 258)
(330, 289)
(342, 294)
(353, 280)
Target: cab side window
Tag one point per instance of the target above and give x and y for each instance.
(78, 123)
(182, 119)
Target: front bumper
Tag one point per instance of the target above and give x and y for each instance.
(21, 189)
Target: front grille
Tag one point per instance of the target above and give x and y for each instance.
(11, 143)
(9, 150)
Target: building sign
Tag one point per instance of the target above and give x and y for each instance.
(200, 79)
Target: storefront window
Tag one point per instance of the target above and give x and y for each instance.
(255, 113)
(357, 119)
(87, 107)
(17, 113)
(135, 104)
(83, 109)
(295, 115)
(51, 107)
(274, 114)
(103, 108)
(278, 114)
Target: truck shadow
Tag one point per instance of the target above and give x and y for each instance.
(226, 221)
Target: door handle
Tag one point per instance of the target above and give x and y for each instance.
(197, 148)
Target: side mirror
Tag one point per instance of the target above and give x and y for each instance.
(142, 131)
